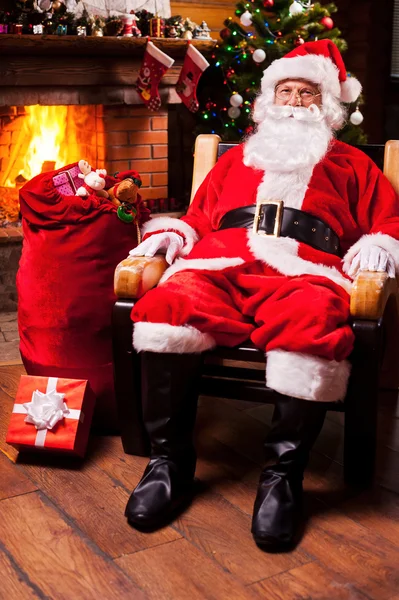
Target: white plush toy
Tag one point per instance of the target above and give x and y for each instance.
(93, 183)
(84, 167)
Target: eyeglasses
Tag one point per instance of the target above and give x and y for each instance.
(306, 95)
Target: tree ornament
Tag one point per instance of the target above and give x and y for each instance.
(299, 41)
(268, 3)
(295, 8)
(236, 100)
(246, 19)
(225, 33)
(58, 6)
(327, 22)
(234, 112)
(356, 117)
(259, 55)
(44, 5)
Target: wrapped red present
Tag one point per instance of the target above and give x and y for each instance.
(52, 414)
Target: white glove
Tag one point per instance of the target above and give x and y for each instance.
(371, 258)
(170, 242)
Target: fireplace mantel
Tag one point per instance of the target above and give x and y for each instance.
(83, 70)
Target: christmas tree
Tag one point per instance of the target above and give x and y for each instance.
(262, 31)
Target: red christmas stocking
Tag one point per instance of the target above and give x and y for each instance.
(193, 67)
(155, 64)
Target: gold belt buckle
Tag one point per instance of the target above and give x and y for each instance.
(277, 221)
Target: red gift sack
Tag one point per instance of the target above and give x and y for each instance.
(65, 284)
(51, 414)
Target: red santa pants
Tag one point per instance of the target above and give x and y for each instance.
(300, 322)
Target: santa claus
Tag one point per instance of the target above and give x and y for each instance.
(266, 252)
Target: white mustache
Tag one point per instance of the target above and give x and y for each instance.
(300, 113)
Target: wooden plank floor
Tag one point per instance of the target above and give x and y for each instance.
(63, 533)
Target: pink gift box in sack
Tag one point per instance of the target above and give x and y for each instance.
(68, 181)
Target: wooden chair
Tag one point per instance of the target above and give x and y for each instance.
(374, 319)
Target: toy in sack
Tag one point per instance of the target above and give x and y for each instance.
(52, 414)
(71, 247)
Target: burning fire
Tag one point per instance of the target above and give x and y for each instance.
(50, 137)
(43, 135)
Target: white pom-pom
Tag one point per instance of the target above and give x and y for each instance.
(356, 117)
(295, 8)
(236, 100)
(259, 55)
(350, 89)
(246, 19)
(234, 112)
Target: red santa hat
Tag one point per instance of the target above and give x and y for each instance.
(320, 62)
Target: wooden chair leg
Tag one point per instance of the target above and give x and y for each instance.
(361, 404)
(127, 373)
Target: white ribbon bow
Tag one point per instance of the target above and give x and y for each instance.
(45, 410)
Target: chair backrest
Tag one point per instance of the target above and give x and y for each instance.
(209, 147)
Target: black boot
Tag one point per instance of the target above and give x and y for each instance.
(278, 505)
(169, 397)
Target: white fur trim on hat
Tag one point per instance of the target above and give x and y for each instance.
(382, 240)
(312, 67)
(203, 264)
(170, 224)
(307, 377)
(162, 337)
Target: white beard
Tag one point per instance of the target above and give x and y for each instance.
(288, 139)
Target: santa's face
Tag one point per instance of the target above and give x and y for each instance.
(297, 92)
(288, 138)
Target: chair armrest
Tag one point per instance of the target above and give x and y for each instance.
(370, 293)
(135, 275)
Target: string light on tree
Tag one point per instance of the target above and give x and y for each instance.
(246, 19)
(356, 117)
(236, 100)
(259, 55)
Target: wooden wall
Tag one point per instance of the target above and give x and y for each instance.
(367, 27)
(214, 12)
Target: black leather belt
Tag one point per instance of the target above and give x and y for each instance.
(273, 219)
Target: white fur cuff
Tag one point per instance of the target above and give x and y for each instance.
(307, 377)
(162, 337)
(200, 264)
(171, 224)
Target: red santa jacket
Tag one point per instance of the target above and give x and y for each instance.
(345, 189)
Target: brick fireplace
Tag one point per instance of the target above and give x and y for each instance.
(117, 138)
(92, 80)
